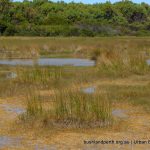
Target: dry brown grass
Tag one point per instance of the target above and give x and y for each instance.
(28, 47)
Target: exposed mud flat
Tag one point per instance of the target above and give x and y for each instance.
(148, 62)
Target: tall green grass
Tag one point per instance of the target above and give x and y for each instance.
(34, 105)
(81, 108)
(35, 114)
(72, 109)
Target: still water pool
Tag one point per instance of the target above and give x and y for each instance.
(48, 62)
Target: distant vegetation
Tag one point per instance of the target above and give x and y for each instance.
(46, 18)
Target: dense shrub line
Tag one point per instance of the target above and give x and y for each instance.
(46, 18)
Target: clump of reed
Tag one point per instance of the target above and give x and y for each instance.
(71, 109)
(34, 105)
(34, 108)
(120, 63)
(78, 109)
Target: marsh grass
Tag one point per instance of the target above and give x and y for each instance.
(41, 77)
(72, 109)
(33, 47)
(34, 105)
(55, 77)
(115, 63)
(115, 58)
(137, 95)
(79, 107)
(35, 114)
(8, 88)
(134, 94)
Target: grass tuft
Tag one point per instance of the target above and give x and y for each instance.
(82, 109)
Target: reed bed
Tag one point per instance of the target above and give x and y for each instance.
(82, 109)
(71, 109)
(114, 63)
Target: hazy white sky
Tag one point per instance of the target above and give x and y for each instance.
(99, 1)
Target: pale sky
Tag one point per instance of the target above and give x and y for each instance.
(102, 1)
(96, 1)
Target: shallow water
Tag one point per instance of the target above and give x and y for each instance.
(11, 75)
(48, 62)
(11, 109)
(89, 90)
(7, 75)
(6, 141)
(148, 62)
(119, 113)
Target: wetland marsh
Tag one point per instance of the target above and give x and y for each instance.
(73, 89)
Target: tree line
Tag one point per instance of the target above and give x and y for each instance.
(47, 18)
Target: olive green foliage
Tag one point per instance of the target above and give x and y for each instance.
(46, 18)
